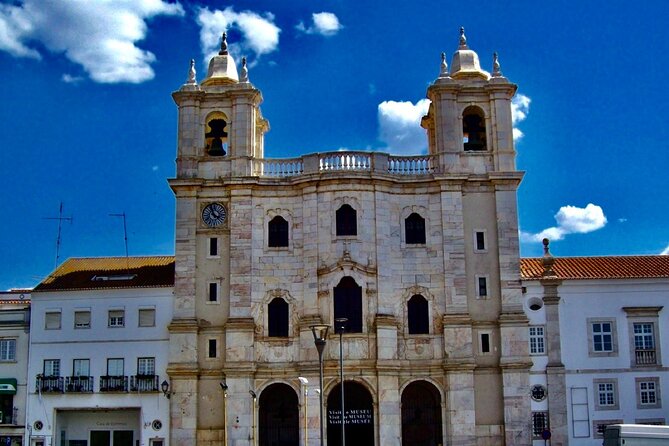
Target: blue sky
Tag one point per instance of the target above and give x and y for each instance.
(87, 117)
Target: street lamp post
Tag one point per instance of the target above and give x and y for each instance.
(341, 326)
(253, 414)
(224, 386)
(304, 382)
(320, 333)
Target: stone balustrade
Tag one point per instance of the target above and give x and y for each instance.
(346, 162)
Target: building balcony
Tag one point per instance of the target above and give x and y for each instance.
(79, 384)
(50, 384)
(144, 383)
(645, 357)
(113, 384)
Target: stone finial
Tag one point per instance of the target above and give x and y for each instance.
(245, 71)
(224, 44)
(496, 69)
(548, 261)
(444, 66)
(191, 73)
(463, 38)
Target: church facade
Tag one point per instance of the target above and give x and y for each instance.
(418, 253)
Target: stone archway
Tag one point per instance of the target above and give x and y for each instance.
(421, 415)
(278, 416)
(359, 415)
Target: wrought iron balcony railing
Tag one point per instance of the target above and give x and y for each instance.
(113, 384)
(51, 384)
(144, 383)
(79, 384)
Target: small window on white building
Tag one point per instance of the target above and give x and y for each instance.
(51, 367)
(116, 318)
(82, 319)
(537, 340)
(606, 394)
(52, 320)
(539, 423)
(81, 367)
(147, 317)
(7, 349)
(602, 338)
(115, 367)
(648, 393)
(146, 366)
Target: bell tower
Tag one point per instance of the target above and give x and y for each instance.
(469, 122)
(221, 128)
(220, 138)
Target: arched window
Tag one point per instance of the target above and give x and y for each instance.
(347, 220)
(278, 416)
(473, 129)
(414, 229)
(419, 315)
(348, 304)
(277, 315)
(277, 231)
(216, 135)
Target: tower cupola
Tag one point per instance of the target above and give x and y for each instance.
(465, 62)
(222, 67)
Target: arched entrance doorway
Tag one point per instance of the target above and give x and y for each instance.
(421, 415)
(359, 415)
(278, 416)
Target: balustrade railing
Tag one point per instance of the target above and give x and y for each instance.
(645, 357)
(346, 162)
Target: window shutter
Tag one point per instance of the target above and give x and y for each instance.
(52, 321)
(147, 317)
(82, 319)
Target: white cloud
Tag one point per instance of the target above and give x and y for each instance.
(69, 79)
(259, 34)
(665, 251)
(399, 126)
(520, 107)
(323, 23)
(570, 220)
(99, 36)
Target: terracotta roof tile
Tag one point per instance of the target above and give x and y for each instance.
(609, 267)
(110, 272)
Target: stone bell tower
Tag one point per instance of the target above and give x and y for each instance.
(470, 133)
(220, 135)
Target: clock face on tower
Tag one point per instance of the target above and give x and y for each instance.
(214, 215)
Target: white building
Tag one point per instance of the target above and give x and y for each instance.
(14, 338)
(596, 339)
(98, 353)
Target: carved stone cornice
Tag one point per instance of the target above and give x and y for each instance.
(185, 325)
(240, 324)
(386, 320)
(456, 320)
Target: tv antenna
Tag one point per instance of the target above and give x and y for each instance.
(125, 237)
(60, 219)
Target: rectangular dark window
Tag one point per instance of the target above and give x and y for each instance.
(346, 221)
(277, 231)
(485, 343)
(482, 287)
(213, 246)
(211, 348)
(213, 292)
(539, 423)
(414, 228)
(480, 241)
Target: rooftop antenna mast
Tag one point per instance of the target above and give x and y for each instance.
(60, 219)
(125, 238)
